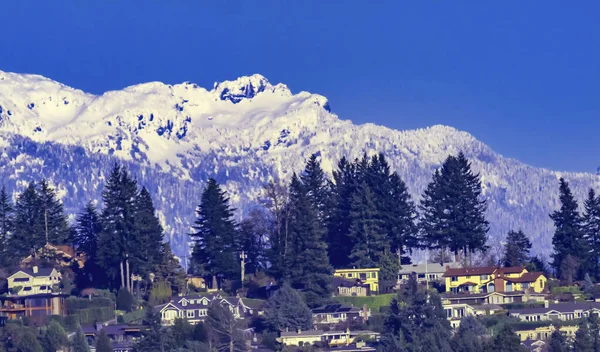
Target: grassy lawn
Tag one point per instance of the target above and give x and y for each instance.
(372, 302)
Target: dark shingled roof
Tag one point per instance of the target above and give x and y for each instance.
(560, 307)
(485, 270)
(41, 272)
(335, 308)
(527, 277)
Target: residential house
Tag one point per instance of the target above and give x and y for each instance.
(558, 311)
(544, 332)
(493, 279)
(360, 346)
(369, 276)
(534, 345)
(194, 308)
(429, 272)
(492, 297)
(347, 287)
(122, 336)
(36, 307)
(34, 281)
(338, 313)
(331, 338)
(455, 312)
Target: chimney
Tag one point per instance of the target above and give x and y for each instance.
(98, 326)
(546, 303)
(35, 269)
(299, 331)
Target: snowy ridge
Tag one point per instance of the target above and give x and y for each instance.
(242, 132)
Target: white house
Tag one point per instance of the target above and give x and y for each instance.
(33, 281)
(194, 308)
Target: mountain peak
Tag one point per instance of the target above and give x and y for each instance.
(245, 87)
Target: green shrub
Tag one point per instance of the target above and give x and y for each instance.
(565, 289)
(88, 316)
(132, 316)
(125, 300)
(75, 303)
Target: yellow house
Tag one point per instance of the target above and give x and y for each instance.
(493, 279)
(34, 281)
(368, 276)
(544, 332)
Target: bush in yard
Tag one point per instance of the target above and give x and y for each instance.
(125, 300)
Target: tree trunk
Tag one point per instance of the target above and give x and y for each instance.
(122, 276)
(128, 276)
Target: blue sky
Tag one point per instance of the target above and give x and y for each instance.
(523, 78)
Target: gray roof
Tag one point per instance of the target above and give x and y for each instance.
(430, 268)
(41, 272)
(559, 307)
(321, 332)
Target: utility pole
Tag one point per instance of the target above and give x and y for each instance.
(243, 257)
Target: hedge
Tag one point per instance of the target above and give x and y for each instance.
(75, 304)
(89, 316)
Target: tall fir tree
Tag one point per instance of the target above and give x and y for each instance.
(87, 230)
(591, 229)
(216, 237)
(516, 249)
(117, 241)
(342, 190)
(148, 236)
(56, 227)
(29, 234)
(568, 239)
(309, 268)
(558, 342)
(453, 209)
(400, 218)
(6, 225)
(366, 230)
(419, 321)
(315, 185)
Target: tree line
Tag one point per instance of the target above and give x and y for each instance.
(121, 241)
(362, 217)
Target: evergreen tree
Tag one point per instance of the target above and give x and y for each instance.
(453, 213)
(117, 241)
(169, 270)
(420, 321)
(315, 185)
(103, 344)
(342, 191)
(56, 228)
(505, 341)
(55, 337)
(80, 342)
(285, 310)
(400, 220)
(216, 237)
(125, 300)
(6, 224)
(154, 337)
(568, 237)
(591, 229)
(468, 336)
(309, 266)
(516, 249)
(558, 342)
(148, 237)
(366, 231)
(87, 230)
(29, 234)
(29, 343)
(584, 341)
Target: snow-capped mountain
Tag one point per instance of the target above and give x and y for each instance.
(243, 133)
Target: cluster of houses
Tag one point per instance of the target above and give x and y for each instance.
(34, 293)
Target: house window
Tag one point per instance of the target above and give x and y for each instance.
(21, 279)
(349, 274)
(190, 313)
(184, 303)
(373, 275)
(509, 287)
(526, 285)
(483, 277)
(454, 278)
(421, 276)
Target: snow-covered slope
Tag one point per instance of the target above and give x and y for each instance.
(242, 132)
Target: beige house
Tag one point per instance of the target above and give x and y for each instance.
(331, 338)
(34, 281)
(455, 312)
(557, 312)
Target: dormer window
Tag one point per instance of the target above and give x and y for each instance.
(184, 303)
